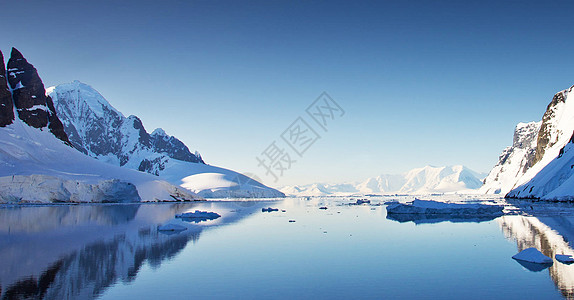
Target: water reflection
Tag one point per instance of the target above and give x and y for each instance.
(75, 252)
(548, 228)
(437, 218)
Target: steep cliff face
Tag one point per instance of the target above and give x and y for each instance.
(22, 88)
(514, 160)
(549, 133)
(6, 103)
(541, 164)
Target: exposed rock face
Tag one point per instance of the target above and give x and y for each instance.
(29, 98)
(6, 103)
(97, 129)
(173, 147)
(27, 91)
(547, 136)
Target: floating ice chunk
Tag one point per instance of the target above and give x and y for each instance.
(361, 201)
(269, 209)
(563, 258)
(435, 207)
(171, 227)
(533, 255)
(199, 215)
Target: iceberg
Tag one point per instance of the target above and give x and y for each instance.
(430, 207)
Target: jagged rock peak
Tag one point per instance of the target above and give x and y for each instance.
(28, 91)
(6, 103)
(29, 96)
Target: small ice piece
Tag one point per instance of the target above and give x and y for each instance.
(563, 258)
(269, 209)
(171, 227)
(199, 214)
(323, 207)
(533, 255)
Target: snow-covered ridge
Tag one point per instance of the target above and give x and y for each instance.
(97, 129)
(425, 180)
(542, 166)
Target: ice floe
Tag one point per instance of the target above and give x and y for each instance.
(532, 255)
(563, 258)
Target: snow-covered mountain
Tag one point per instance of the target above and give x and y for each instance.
(550, 176)
(37, 162)
(99, 130)
(540, 162)
(425, 180)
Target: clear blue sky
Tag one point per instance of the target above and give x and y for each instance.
(422, 82)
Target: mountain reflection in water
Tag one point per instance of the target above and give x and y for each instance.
(75, 252)
(549, 227)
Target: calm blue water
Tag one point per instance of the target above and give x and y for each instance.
(116, 252)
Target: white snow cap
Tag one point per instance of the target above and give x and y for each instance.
(159, 131)
(81, 93)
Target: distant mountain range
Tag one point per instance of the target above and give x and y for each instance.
(540, 162)
(425, 180)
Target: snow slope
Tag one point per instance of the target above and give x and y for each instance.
(96, 128)
(426, 180)
(35, 166)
